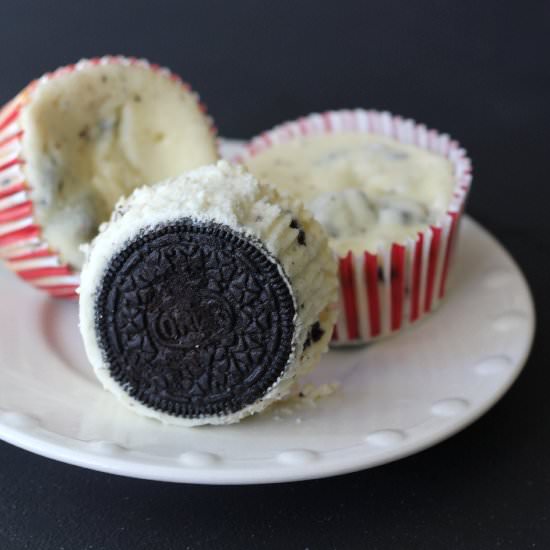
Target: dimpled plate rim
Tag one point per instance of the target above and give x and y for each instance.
(396, 398)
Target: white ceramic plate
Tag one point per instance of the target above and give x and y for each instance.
(396, 397)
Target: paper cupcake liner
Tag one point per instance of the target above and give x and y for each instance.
(22, 245)
(384, 292)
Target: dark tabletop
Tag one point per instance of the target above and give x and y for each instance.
(478, 70)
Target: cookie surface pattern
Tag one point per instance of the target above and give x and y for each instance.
(195, 319)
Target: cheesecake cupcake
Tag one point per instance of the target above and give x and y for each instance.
(205, 297)
(75, 141)
(389, 193)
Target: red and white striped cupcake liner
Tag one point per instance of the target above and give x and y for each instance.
(22, 245)
(384, 292)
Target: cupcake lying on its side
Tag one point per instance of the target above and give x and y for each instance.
(74, 142)
(389, 193)
(205, 297)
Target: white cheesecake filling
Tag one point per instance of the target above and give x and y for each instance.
(95, 134)
(367, 190)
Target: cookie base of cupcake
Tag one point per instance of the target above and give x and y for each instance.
(194, 320)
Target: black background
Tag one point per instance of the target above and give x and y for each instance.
(478, 70)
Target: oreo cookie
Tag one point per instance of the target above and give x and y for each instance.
(188, 297)
(195, 320)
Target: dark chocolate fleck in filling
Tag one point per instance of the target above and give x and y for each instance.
(294, 224)
(314, 335)
(195, 320)
(316, 332)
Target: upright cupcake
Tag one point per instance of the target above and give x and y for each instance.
(205, 296)
(75, 141)
(390, 194)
